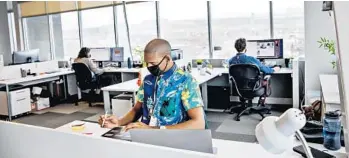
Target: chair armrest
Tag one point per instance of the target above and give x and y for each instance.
(267, 77)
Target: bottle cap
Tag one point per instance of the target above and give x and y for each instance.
(332, 114)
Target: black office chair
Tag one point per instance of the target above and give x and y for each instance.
(85, 81)
(248, 82)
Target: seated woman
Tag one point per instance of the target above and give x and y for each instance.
(103, 80)
(84, 57)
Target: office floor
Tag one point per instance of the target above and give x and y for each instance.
(222, 125)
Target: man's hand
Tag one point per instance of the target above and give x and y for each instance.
(139, 125)
(109, 122)
(276, 68)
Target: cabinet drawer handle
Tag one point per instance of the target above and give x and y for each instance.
(21, 99)
(20, 92)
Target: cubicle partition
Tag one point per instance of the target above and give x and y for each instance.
(25, 141)
(14, 71)
(287, 87)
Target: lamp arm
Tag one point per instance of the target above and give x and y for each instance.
(307, 150)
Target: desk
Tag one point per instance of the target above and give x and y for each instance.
(282, 70)
(225, 148)
(285, 87)
(131, 86)
(330, 92)
(32, 80)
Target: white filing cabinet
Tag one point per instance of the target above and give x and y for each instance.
(121, 104)
(20, 102)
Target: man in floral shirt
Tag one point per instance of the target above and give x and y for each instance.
(168, 98)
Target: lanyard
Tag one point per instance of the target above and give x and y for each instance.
(151, 109)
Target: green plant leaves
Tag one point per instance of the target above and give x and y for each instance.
(328, 45)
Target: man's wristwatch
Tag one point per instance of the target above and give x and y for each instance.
(162, 127)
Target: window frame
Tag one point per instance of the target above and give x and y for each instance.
(158, 25)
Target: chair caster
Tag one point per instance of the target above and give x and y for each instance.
(76, 103)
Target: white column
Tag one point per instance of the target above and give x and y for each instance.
(341, 22)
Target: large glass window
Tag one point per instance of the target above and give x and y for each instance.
(289, 25)
(142, 22)
(38, 36)
(66, 35)
(184, 25)
(12, 32)
(231, 20)
(98, 27)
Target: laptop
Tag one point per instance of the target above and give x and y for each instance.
(194, 140)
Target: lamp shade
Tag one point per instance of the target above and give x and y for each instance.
(276, 134)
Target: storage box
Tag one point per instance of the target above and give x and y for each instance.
(42, 103)
(19, 100)
(121, 104)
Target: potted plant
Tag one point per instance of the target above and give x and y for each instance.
(329, 46)
(199, 63)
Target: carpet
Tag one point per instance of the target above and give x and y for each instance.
(42, 120)
(68, 108)
(51, 119)
(93, 118)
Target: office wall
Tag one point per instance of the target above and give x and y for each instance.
(5, 44)
(317, 61)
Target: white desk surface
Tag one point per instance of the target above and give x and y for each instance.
(93, 128)
(127, 86)
(131, 85)
(329, 88)
(225, 148)
(38, 77)
(281, 71)
(125, 69)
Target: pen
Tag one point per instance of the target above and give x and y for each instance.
(105, 116)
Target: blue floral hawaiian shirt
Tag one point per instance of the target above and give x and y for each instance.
(177, 92)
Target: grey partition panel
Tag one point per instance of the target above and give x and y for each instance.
(214, 62)
(281, 86)
(222, 80)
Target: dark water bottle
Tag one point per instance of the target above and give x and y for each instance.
(332, 130)
(129, 63)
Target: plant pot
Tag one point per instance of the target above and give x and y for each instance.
(199, 67)
(203, 71)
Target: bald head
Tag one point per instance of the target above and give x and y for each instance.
(158, 46)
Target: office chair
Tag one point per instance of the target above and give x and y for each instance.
(249, 82)
(85, 81)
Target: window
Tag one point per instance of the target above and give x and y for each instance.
(184, 25)
(12, 32)
(37, 35)
(142, 24)
(289, 25)
(231, 20)
(66, 35)
(98, 27)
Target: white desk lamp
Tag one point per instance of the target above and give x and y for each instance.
(276, 134)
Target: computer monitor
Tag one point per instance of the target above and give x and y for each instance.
(176, 54)
(100, 54)
(27, 56)
(265, 49)
(117, 54)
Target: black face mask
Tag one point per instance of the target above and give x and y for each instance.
(155, 69)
